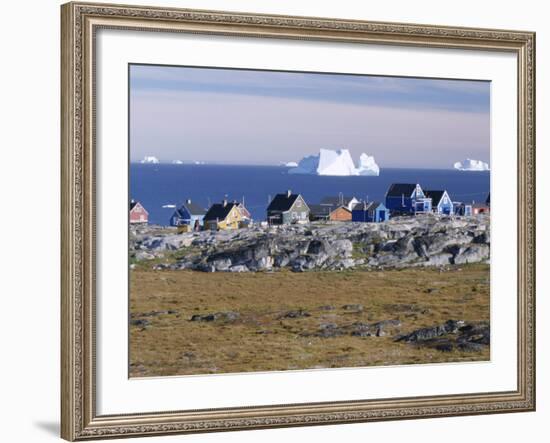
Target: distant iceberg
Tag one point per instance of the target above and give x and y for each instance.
(150, 159)
(177, 162)
(168, 206)
(337, 163)
(471, 165)
(367, 165)
(289, 164)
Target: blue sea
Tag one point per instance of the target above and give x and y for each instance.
(156, 185)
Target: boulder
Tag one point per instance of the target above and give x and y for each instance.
(449, 327)
(472, 254)
(227, 316)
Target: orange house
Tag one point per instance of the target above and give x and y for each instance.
(340, 214)
(329, 213)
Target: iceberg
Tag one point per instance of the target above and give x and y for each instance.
(289, 164)
(367, 165)
(336, 163)
(471, 165)
(177, 162)
(168, 206)
(150, 159)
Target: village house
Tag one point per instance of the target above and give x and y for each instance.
(441, 202)
(287, 208)
(340, 200)
(462, 209)
(407, 198)
(222, 216)
(138, 214)
(189, 216)
(245, 214)
(329, 213)
(480, 208)
(370, 212)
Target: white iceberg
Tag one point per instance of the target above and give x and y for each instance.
(471, 165)
(177, 162)
(168, 206)
(338, 163)
(289, 164)
(150, 159)
(367, 165)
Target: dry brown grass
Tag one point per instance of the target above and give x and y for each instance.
(261, 341)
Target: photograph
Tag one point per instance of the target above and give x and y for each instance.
(287, 220)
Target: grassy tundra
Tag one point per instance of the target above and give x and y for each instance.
(277, 320)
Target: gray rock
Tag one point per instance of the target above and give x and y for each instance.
(140, 322)
(472, 254)
(428, 240)
(261, 264)
(144, 255)
(440, 259)
(227, 316)
(353, 307)
(449, 327)
(295, 314)
(329, 330)
(221, 264)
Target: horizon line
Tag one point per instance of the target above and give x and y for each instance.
(271, 165)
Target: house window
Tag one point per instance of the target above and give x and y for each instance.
(294, 215)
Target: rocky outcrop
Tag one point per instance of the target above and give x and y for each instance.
(427, 240)
(226, 316)
(357, 329)
(452, 335)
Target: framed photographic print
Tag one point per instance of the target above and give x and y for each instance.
(282, 221)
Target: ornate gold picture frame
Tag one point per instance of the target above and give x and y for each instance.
(80, 23)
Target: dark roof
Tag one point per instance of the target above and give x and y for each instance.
(488, 201)
(336, 200)
(320, 210)
(399, 189)
(436, 196)
(194, 209)
(219, 211)
(366, 206)
(282, 202)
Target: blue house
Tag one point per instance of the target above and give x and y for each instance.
(407, 198)
(188, 214)
(373, 212)
(463, 209)
(441, 202)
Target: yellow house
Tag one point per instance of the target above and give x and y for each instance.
(223, 216)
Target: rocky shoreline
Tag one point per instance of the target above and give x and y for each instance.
(426, 240)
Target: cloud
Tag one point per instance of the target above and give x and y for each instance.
(471, 96)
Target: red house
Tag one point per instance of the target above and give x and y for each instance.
(138, 214)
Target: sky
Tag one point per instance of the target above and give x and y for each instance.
(232, 116)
